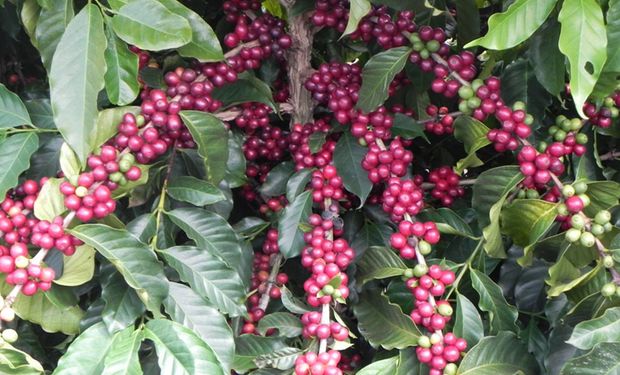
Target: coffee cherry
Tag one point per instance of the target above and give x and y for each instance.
(587, 239)
(608, 289)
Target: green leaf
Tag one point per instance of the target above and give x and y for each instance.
(211, 135)
(473, 134)
(50, 201)
(149, 25)
(179, 350)
(132, 258)
(78, 268)
(74, 91)
(292, 303)
(277, 179)
(204, 45)
(378, 263)
(408, 128)
(12, 110)
(582, 22)
(107, 123)
(288, 325)
(51, 25)
(603, 196)
(358, 9)
(187, 307)
(236, 164)
(297, 183)
(519, 83)
(40, 111)
(602, 329)
(15, 152)
(195, 191)
(248, 347)
(386, 366)
(30, 16)
(526, 221)
(501, 314)
(467, 323)
(14, 361)
(209, 277)
(610, 76)
(81, 357)
(468, 26)
(211, 233)
(122, 358)
(546, 58)
(282, 359)
(515, 25)
(503, 354)
(122, 305)
(246, 89)
(384, 324)
(603, 359)
(377, 75)
(448, 222)
(121, 76)
(291, 238)
(348, 157)
(69, 163)
(489, 194)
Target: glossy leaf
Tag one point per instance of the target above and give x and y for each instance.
(377, 75)
(602, 329)
(122, 305)
(603, 359)
(122, 358)
(40, 111)
(386, 366)
(195, 191)
(358, 9)
(209, 277)
(473, 134)
(180, 350)
(50, 201)
(297, 184)
(277, 179)
(248, 347)
(210, 134)
(211, 233)
(81, 358)
(503, 354)
(407, 128)
(515, 25)
(187, 307)
(291, 239)
(78, 268)
(282, 359)
(148, 24)
(204, 45)
(348, 157)
(12, 110)
(121, 76)
(384, 324)
(546, 58)
(51, 25)
(582, 21)
(74, 91)
(292, 303)
(468, 25)
(501, 314)
(467, 323)
(526, 221)
(379, 263)
(288, 325)
(245, 89)
(15, 152)
(519, 83)
(132, 258)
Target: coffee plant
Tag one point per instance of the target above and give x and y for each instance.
(310, 187)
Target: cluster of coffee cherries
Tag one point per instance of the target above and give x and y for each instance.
(538, 167)
(482, 98)
(441, 353)
(382, 164)
(318, 364)
(326, 258)
(425, 283)
(268, 143)
(235, 8)
(446, 185)
(402, 197)
(605, 115)
(388, 32)
(441, 122)
(331, 13)
(323, 331)
(7, 315)
(515, 124)
(583, 229)
(414, 235)
(566, 134)
(326, 184)
(337, 85)
(300, 145)
(375, 125)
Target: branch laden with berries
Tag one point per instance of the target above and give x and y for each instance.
(309, 187)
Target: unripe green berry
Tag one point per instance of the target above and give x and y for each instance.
(424, 341)
(424, 247)
(609, 102)
(519, 105)
(608, 227)
(414, 37)
(572, 235)
(7, 314)
(466, 92)
(614, 112)
(328, 290)
(425, 54)
(581, 138)
(587, 239)
(140, 120)
(463, 107)
(560, 135)
(602, 217)
(115, 177)
(21, 262)
(559, 119)
(562, 210)
(362, 142)
(420, 270)
(542, 146)
(81, 191)
(473, 102)
(408, 273)
(337, 293)
(608, 261)
(122, 181)
(580, 187)
(575, 124)
(476, 84)
(9, 335)
(585, 199)
(521, 194)
(608, 289)
(124, 165)
(578, 222)
(568, 191)
(436, 338)
(532, 194)
(418, 46)
(445, 310)
(450, 369)
(553, 129)
(597, 229)
(129, 158)
(566, 125)
(433, 45)
(529, 120)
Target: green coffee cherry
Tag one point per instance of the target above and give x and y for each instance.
(424, 341)
(424, 247)
(575, 124)
(608, 261)
(521, 194)
(474, 102)
(519, 105)
(328, 290)
(81, 191)
(553, 129)
(9, 335)
(532, 194)
(568, 191)
(425, 54)
(445, 310)
(140, 120)
(436, 338)
(562, 210)
(466, 92)
(602, 217)
(529, 120)
(581, 138)
(608, 289)
(578, 222)
(408, 273)
(450, 369)
(559, 119)
(420, 270)
(433, 45)
(476, 84)
(608, 227)
(580, 187)
(566, 125)
(572, 235)
(560, 135)
(587, 239)
(597, 230)
(585, 199)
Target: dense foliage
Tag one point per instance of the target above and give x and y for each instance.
(309, 187)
